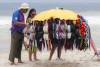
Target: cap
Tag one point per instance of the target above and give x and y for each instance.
(24, 6)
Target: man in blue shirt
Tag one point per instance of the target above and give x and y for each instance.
(17, 36)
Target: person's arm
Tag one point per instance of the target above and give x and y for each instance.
(20, 23)
(16, 18)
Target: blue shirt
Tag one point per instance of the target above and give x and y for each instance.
(17, 17)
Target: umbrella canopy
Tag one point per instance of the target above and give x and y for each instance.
(56, 13)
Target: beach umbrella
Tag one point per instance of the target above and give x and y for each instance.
(56, 13)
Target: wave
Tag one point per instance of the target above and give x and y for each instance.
(6, 20)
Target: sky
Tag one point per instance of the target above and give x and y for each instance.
(75, 1)
(40, 5)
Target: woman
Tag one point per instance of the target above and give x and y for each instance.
(52, 35)
(45, 29)
(60, 32)
(77, 35)
(39, 35)
(57, 37)
(70, 35)
(31, 34)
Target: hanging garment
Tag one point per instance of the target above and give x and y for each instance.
(60, 31)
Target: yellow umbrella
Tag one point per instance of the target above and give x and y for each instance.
(56, 13)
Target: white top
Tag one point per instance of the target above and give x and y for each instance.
(69, 31)
(32, 33)
(69, 28)
(45, 29)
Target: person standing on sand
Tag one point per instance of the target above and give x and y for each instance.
(31, 34)
(17, 35)
(57, 36)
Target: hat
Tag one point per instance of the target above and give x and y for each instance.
(24, 6)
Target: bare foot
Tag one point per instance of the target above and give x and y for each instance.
(12, 63)
(61, 59)
(20, 61)
(49, 59)
(30, 59)
(36, 59)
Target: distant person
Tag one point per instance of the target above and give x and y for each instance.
(17, 35)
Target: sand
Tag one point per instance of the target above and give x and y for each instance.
(70, 59)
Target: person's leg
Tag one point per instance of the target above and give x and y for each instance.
(50, 41)
(76, 43)
(53, 49)
(66, 44)
(13, 49)
(30, 54)
(21, 35)
(30, 49)
(59, 52)
(43, 42)
(49, 44)
(25, 43)
(71, 43)
(52, 52)
(34, 49)
(61, 43)
(35, 55)
(39, 44)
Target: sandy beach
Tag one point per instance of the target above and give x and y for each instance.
(70, 59)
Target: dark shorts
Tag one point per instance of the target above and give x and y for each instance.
(60, 42)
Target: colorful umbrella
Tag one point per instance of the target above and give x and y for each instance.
(56, 13)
